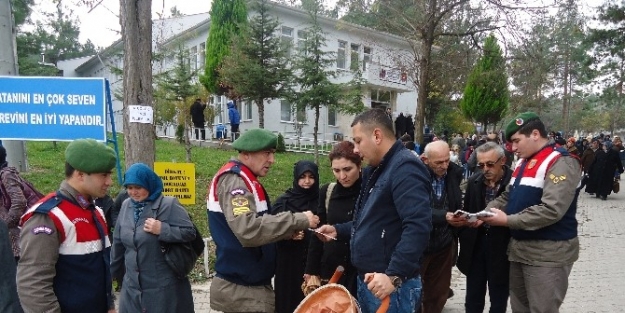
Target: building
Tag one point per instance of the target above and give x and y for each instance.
(376, 52)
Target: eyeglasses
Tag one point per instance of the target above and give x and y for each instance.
(489, 164)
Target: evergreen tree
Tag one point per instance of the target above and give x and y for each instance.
(312, 65)
(175, 91)
(226, 17)
(56, 39)
(609, 43)
(258, 66)
(486, 95)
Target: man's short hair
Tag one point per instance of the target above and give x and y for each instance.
(375, 118)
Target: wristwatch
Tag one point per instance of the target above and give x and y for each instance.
(396, 281)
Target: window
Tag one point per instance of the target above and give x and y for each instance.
(247, 107)
(301, 39)
(202, 55)
(340, 55)
(287, 38)
(285, 111)
(354, 57)
(301, 115)
(331, 116)
(193, 57)
(366, 59)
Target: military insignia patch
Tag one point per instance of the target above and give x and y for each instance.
(237, 192)
(532, 164)
(556, 179)
(518, 121)
(43, 229)
(240, 210)
(239, 201)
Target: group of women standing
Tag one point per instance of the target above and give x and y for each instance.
(305, 257)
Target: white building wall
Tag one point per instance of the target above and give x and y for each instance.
(193, 31)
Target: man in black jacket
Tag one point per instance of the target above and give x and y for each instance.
(446, 198)
(483, 247)
(197, 117)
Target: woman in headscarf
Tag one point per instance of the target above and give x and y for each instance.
(336, 205)
(147, 218)
(291, 260)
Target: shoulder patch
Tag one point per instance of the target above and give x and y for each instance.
(239, 201)
(48, 205)
(237, 192)
(42, 229)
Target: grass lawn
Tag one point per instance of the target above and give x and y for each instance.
(46, 164)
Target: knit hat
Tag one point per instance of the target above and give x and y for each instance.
(90, 156)
(255, 140)
(519, 121)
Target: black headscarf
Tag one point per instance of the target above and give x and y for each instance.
(296, 198)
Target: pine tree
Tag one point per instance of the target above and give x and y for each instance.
(486, 95)
(227, 17)
(312, 63)
(258, 67)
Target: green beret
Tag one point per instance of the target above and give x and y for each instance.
(517, 122)
(90, 156)
(255, 140)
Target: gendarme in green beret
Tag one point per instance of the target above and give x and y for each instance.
(517, 122)
(90, 156)
(255, 140)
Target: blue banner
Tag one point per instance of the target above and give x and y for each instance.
(52, 108)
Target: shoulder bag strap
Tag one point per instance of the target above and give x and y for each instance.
(329, 194)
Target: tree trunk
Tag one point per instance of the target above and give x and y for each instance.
(565, 96)
(261, 112)
(315, 129)
(136, 22)
(422, 89)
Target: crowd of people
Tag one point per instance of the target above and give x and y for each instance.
(397, 225)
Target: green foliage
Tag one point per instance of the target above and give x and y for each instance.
(280, 146)
(226, 17)
(313, 66)
(21, 10)
(174, 89)
(486, 95)
(56, 38)
(258, 66)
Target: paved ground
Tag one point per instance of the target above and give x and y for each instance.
(597, 282)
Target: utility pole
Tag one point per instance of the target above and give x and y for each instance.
(16, 152)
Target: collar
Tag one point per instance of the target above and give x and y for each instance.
(72, 194)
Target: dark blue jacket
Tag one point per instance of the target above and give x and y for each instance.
(392, 219)
(233, 114)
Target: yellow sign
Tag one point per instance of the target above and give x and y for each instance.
(178, 180)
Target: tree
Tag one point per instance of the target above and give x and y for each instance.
(532, 65)
(312, 63)
(54, 39)
(177, 92)
(136, 23)
(486, 95)
(226, 17)
(21, 11)
(258, 66)
(609, 44)
(570, 53)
